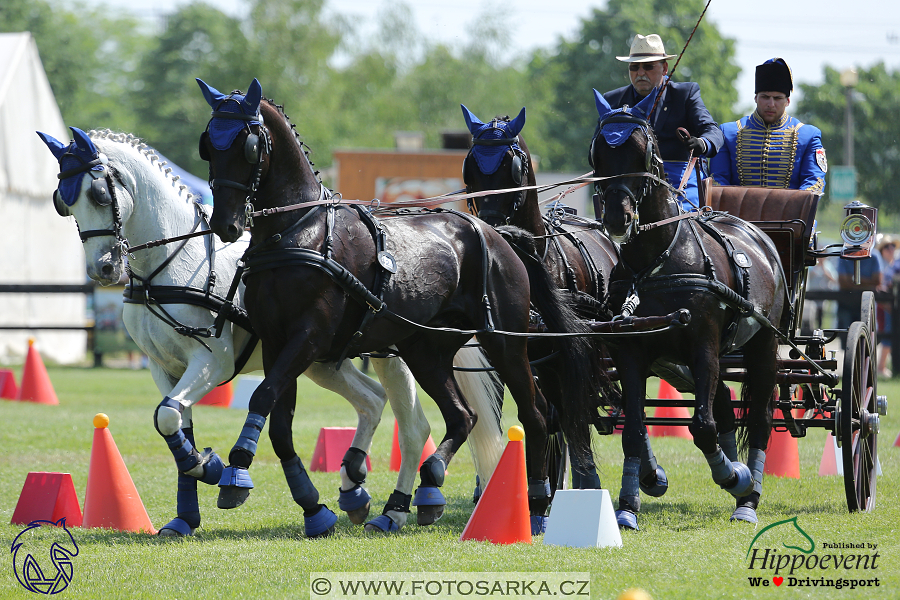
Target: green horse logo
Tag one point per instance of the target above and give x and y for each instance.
(790, 528)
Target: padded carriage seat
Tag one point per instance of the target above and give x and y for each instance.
(786, 215)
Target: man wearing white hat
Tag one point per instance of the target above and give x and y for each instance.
(679, 107)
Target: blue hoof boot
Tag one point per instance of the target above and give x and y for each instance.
(627, 520)
(744, 484)
(355, 502)
(744, 513)
(538, 525)
(320, 524)
(382, 524)
(658, 488)
(234, 487)
(430, 502)
(212, 467)
(177, 527)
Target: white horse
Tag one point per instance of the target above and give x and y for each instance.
(177, 289)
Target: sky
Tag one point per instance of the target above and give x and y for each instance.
(808, 34)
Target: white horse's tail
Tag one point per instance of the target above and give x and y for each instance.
(483, 390)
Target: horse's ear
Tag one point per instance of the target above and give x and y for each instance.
(472, 122)
(646, 105)
(516, 125)
(83, 142)
(253, 96)
(603, 106)
(212, 95)
(56, 147)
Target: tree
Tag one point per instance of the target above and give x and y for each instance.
(876, 129)
(589, 62)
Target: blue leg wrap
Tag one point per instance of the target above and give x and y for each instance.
(653, 480)
(353, 499)
(433, 471)
(756, 460)
(734, 477)
(428, 496)
(476, 495)
(236, 477)
(302, 489)
(728, 443)
(250, 434)
(320, 524)
(538, 488)
(538, 524)
(629, 496)
(584, 475)
(212, 467)
(722, 469)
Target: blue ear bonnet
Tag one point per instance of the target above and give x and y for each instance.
(75, 156)
(222, 131)
(488, 158)
(617, 134)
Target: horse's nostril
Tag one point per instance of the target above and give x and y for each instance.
(232, 232)
(106, 271)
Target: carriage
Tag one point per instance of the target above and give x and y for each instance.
(813, 388)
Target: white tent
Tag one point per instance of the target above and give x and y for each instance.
(37, 246)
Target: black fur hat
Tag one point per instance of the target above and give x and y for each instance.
(774, 75)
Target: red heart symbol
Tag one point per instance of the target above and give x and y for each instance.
(778, 580)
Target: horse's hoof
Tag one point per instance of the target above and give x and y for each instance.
(429, 514)
(355, 502)
(744, 513)
(321, 524)
(627, 520)
(382, 524)
(176, 528)
(658, 486)
(231, 496)
(538, 524)
(744, 483)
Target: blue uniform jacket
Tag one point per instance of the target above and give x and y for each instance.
(794, 156)
(681, 106)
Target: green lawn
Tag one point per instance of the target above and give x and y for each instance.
(686, 548)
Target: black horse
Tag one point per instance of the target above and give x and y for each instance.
(329, 280)
(724, 270)
(577, 255)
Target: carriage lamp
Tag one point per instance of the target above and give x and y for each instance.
(858, 233)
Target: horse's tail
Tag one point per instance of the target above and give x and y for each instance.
(483, 390)
(581, 372)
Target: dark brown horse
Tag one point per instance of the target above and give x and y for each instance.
(724, 270)
(578, 256)
(330, 280)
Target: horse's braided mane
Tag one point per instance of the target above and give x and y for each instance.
(147, 151)
(304, 147)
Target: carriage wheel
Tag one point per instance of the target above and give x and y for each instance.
(857, 420)
(868, 316)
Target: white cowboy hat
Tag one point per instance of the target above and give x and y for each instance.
(646, 48)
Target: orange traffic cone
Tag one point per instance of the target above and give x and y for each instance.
(897, 441)
(218, 396)
(36, 386)
(397, 458)
(330, 448)
(111, 500)
(501, 515)
(48, 497)
(782, 455)
(8, 387)
(667, 392)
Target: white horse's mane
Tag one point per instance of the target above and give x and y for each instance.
(129, 139)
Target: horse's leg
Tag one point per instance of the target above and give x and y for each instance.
(634, 390)
(317, 518)
(762, 369)
(430, 358)
(510, 357)
(173, 420)
(368, 399)
(413, 431)
(734, 477)
(584, 473)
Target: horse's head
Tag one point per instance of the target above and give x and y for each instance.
(99, 196)
(236, 144)
(498, 160)
(623, 145)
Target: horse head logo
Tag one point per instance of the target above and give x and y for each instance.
(788, 531)
(30, 549)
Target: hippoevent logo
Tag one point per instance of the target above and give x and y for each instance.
(788, 556)
(42, 556)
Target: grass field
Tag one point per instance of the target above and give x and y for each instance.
(685, 549)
